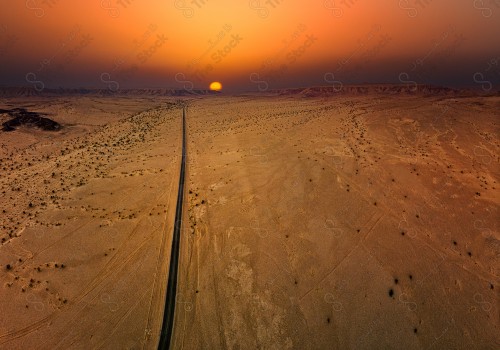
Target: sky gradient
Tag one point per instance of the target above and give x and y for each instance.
(248, 45)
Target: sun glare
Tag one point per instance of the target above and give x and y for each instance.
(215, 86)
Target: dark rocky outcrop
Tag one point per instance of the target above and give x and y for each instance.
(21, 116)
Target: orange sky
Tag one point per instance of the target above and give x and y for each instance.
(247, 44)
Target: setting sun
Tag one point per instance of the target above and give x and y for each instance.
(215, 86)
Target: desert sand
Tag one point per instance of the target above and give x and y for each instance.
(364, 220)
(85, 224)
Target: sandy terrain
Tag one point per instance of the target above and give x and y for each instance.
(347, 222)
(85, 221)
(342, 223)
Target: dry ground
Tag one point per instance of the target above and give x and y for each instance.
(86, 224)
(341, 223)
(353, 222)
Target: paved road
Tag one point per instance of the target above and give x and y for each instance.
(168, 316)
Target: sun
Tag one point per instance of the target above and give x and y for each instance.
(215, 86)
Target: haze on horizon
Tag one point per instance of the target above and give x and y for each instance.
(248, 45)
